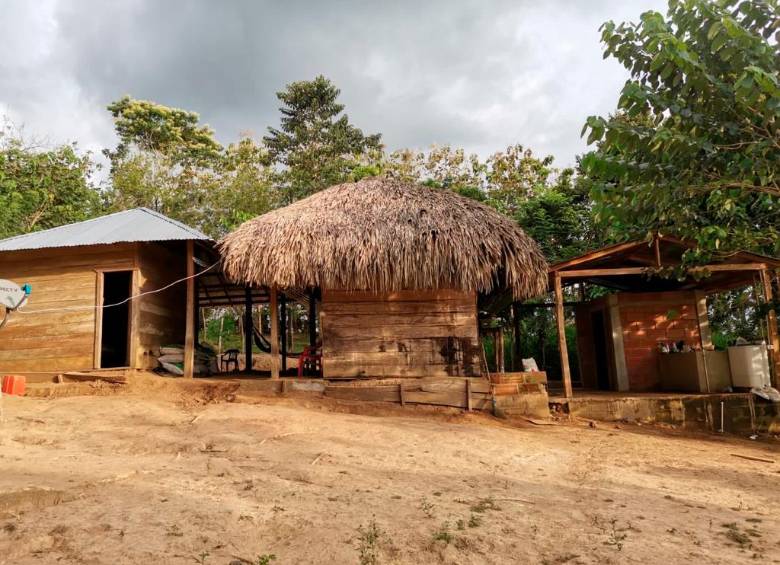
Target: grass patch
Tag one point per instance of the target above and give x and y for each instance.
(368, 543)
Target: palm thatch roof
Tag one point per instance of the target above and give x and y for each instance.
(386, 235)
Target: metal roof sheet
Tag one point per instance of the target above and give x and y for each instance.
(138, 224)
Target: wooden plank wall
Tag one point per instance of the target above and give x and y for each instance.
(61, 278)
(161, 316)
(399, 334)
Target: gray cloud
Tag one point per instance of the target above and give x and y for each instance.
(481, 75)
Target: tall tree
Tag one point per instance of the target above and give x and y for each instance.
(150, 127)
(165, 160)
(42, 187)
(694, 147)
(243, 187)
(315, 145)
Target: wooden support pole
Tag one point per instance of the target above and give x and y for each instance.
(274, 315)
(561, 323)
(771, 322)
(517, 364)
(189, 331)
(500, 366)
(283, 328)
(401, 398)
(249, 325)
(468, 395)
(312, 318)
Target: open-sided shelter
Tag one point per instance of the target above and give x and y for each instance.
(80, 314)
(398, 268)
(654, 300)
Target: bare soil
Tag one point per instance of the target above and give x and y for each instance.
(171, 473)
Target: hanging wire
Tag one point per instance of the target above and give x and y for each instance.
(126, 300)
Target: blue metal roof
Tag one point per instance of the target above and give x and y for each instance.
(138, 224)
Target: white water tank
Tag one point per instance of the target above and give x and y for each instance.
(749, 366)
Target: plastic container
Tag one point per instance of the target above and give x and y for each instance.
(14, 384)
(749, 366)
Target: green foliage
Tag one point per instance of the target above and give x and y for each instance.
(152, 127)
(241, 187)
(170, 163)
(42, 188)
(694, 146)
(551, 205)
(316, 146)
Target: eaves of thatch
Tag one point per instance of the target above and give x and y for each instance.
(386, 235)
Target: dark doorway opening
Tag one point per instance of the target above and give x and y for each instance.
(600, 346)
(115, 323)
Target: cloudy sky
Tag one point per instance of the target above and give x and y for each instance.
(477, 74)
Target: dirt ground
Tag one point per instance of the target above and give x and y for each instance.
(166, 475)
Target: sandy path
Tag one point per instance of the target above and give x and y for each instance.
(132, 480)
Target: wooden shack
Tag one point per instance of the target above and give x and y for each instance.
(80, 314)
(398, 268)
(655, 299)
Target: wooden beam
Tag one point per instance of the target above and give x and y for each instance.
(249, 324)
(605, 252)
(618, 271)
(516, 353)
(312, 318)
(561, 325)
(771, 321)
(189, 331)
(621, 271)
(283, 328)
(274, 314)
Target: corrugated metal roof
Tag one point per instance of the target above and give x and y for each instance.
(138, 224)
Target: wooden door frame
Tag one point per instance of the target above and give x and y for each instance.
(132, 315)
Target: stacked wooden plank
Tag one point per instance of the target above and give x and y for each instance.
(410, 334)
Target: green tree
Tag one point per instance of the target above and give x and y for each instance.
(557, 216)
(315, 146)
(243, 187)
(42, 188)
(694, 146)
(551, 205)
(165, 160)
(151, 127)
(516, 175)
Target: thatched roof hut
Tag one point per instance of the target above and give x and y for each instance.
(398, 267)
(386, 235)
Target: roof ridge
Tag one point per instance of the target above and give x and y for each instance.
(176, 223)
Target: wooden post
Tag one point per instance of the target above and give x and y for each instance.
(517, 364)
(312, 318)
(468, 395)
(500, 367)
(189, 330)
(274, 334)
(561, 322)
(771, 322)
(249, 325)
(401, 394)
(283, 328)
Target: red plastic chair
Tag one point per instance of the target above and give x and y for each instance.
(310, 359)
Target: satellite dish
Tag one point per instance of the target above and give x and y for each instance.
(11, 294)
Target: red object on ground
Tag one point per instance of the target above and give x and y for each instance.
(13, 384)
(310, 359)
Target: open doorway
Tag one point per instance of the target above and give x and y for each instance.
(599, 329)
(115, 320)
